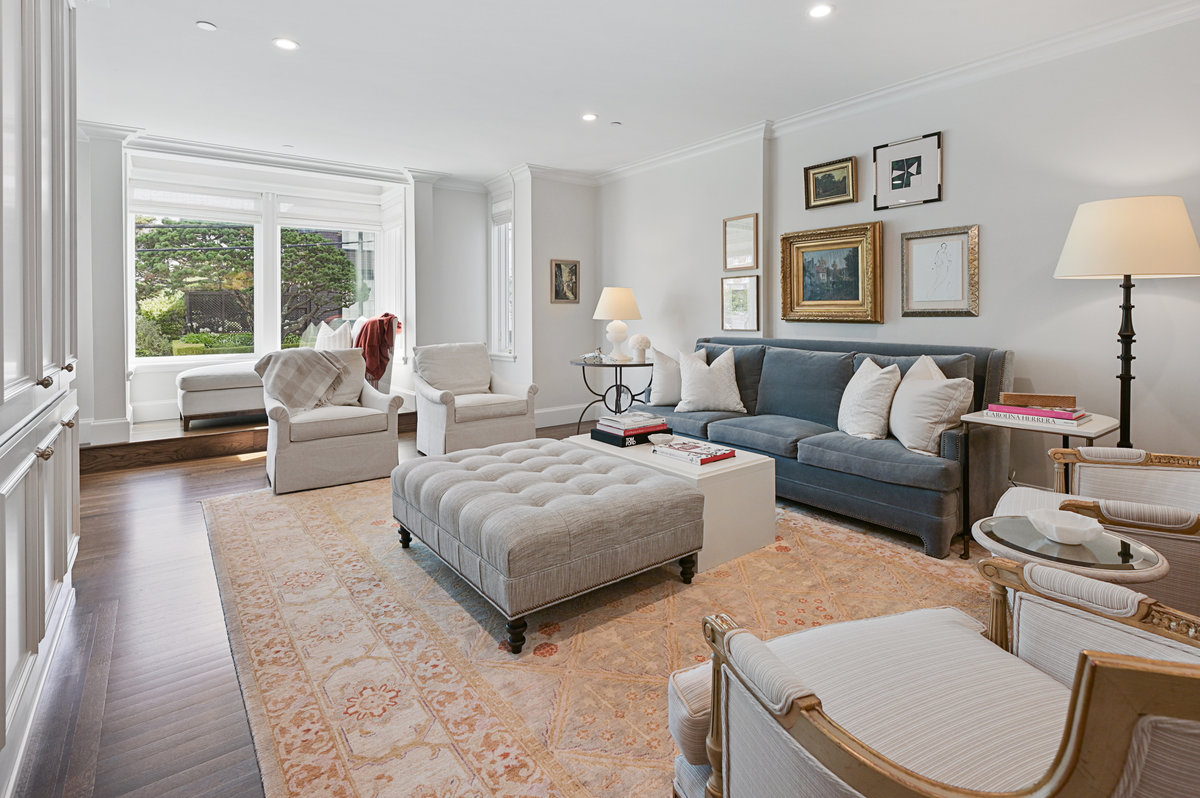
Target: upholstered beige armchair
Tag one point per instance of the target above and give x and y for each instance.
(461, 404)
(1154, 498)
(351, 439)
(1097, 694)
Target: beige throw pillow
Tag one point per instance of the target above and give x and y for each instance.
(867, 400)
(926, 405)
(329, 338)
(665, 386)
(708, 387)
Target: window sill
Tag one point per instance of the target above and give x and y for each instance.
(158, 365)
(504, 357)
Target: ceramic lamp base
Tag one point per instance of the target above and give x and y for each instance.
(617, 331)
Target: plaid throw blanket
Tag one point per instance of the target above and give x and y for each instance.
(301, 378)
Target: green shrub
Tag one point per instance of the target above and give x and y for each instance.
(185, 348)
(166, 309)
(219, 340)
(149, 340)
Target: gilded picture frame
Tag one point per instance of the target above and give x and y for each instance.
(833, 274)
(908, 172)
(739, 240)
(939, 272)
(831, 183)
(564, 282)
(739, 303)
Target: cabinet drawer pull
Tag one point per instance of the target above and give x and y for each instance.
(68, 423)
(46, 382)
(69, 367)
(46, 453)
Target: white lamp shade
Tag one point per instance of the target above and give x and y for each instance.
(617, 303)
(1144, 236)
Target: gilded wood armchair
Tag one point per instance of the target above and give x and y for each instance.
(1096, 694)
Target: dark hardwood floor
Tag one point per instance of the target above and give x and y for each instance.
(143, 698)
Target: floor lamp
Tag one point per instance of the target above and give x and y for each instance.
(1126, 238)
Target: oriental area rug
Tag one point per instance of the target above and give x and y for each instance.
(368, 669)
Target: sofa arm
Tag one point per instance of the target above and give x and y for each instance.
(377, 400)
(430, 394)
(1137, 515)
(984, 451)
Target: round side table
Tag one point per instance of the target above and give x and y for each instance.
(1109, 558)
(618, 397)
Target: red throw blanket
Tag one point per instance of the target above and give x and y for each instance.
(376, 340)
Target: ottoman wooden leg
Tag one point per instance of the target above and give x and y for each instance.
(405, 538)
(687, 568)
(516, 634)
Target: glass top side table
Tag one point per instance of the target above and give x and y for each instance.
(1109, 558)
(618, 397)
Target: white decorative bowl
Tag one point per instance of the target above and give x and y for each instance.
(1064, 527)
(661, 438)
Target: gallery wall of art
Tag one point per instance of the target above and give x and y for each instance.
(1022, 148)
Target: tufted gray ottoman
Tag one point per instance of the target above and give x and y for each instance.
(533, 523)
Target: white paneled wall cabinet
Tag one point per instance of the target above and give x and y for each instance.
(39, 447)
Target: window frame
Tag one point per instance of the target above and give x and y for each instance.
(502, 324)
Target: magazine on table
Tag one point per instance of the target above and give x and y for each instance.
(631, 420)
(696, 452)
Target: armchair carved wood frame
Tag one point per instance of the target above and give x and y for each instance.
(1111, 692)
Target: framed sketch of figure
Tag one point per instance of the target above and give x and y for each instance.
(939, 272)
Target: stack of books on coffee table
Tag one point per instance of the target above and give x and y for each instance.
(629, 429)
(1050, 409)
(695, 452)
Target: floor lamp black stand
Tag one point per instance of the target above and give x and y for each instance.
(1125, 336)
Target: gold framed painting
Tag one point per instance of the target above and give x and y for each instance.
(740, 238)
(739, 303)
(939, 272)
(564, 282)
(831, 183)
(833, 274)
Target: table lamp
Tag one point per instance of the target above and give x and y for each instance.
(1121, 238)
(617, 304)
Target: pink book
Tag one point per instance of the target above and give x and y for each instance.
(1045, 412)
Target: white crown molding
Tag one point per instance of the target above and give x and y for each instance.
(759, 131)
(562, 175)
(194, 149)
(425, 176)
(1080, 41)
(91, 131)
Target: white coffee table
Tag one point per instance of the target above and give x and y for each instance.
(739, 497)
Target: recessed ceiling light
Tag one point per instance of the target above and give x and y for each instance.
(202, 25)
(286, 44)
(820, 10)
(288, 146)
(588, 117)
(618, 124)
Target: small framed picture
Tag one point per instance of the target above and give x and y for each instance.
(908, 172)
(833, 274)
(741, 242)
(564, 282)
(939, 272)
(831, 183)
(739, 303)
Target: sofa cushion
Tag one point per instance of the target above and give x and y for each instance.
(747, 367)
(883, 461)
(694, 424)
(219, 376)
(707, 386)
(771, 434)
(476, 406)
(336, 421)
(927, 404)
(867, 399)
(804, 384)
(350, 388)
(951, 365)
(457, 368)
(665, 382)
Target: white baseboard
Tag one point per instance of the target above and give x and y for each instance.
(563, 414)
(160, 410)
(104, 430)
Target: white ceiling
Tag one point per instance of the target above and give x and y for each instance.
(473, 87)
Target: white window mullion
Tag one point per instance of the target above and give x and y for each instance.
(267, 267)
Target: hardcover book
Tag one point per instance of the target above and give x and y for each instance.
(617, 439)
(631, 420)
(1038, 399)
(1057, 422)
(697, 452)
(633, 431)
(1046, 412)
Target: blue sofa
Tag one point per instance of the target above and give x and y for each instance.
(792, 389)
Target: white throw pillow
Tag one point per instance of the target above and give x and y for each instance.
(927, 404)
(665, 387)
(329, 338)
(705, 387)
(867, 399)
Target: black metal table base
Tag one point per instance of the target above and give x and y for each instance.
(616, 398)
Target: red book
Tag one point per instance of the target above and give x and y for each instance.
(1069, 413)
(633, 431)
(695, 452)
